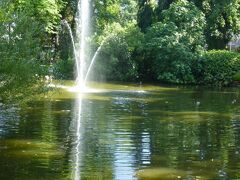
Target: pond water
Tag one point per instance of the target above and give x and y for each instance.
(123, 132)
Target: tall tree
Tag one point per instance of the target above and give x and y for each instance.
(27, 39)
(162, 5)
(146, 13)
(223, 21)
(174, 44)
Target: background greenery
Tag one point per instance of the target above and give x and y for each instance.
(220, 67)
(145, 40)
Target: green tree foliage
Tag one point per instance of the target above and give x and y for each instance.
(144, 39)
(175, 43)
(20, 71)
(26, 27)
(162, 5)
(222, 17)
(114, 61)
(63, 69)
(220, 67)
(223, 21)
(129, 10)
(107, 12)
(47, 12)
(146, 13)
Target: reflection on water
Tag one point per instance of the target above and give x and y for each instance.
(77, 123)
(124, 132)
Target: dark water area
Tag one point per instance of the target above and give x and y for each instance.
(123, 132)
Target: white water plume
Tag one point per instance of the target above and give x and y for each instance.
(72, 39)
(92, 62)
(78, 138)
(82, 32)
(80, 44)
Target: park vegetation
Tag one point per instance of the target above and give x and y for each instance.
(165, 41)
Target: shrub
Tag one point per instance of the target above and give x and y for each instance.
(220, 67)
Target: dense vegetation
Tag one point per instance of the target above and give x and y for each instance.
(220, 67)
(146, 40)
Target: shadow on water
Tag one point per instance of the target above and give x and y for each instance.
(125, 133)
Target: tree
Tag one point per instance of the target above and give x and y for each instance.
(175, 43)
(26, 34)
(145, 14)
(20, 70)
(47, 12)
(163, 5)
(113, 11)
(223, 21)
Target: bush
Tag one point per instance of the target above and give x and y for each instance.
(220, 67)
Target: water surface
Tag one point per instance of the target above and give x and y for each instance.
(123, 132)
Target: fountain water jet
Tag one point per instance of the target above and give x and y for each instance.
(92, 62)
(80, 45)
(83, 19)
(72, 39)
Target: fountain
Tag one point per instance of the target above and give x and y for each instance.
(80, 45)
(83, 69)
(79, 50)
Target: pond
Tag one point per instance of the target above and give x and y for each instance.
(123, 132)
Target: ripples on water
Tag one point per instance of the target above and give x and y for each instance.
(157, 133)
